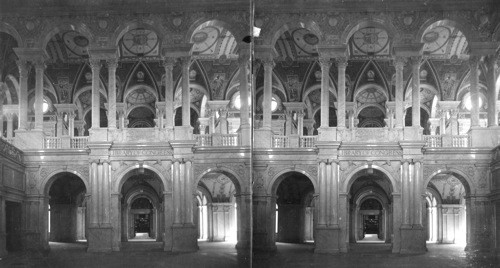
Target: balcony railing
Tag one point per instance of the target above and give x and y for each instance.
(308, 141)
(52, 143)
(460, 141)
(447, 141)
(79, 142)
(433, 141)
(281, 141)
(203, 139)
(217, 139)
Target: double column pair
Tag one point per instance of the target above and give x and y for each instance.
(24, 65)
(399, 63)
(95, 65)
(325, 64)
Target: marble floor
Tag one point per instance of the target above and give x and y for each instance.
(221, 254)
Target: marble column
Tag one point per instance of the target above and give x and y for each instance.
(112, 65)
(289, 123)
(186, 94)
(95, 65)
(105, 193)
(341, 111)
(325, 64)
(60, 117)
(71, 124)
(177, 191)
(334, 194)
(10, 125)
(188, 179)
(268, 94)
(94, 180)
(243, 61)
(474, 91)
(23, 66)
(1, 125)
(168, 221)
(415, 93)
(406, 193)
(417, 195)
(300, 124)
(399, 63)
(244, 235)
(322, 211)
(168, 65)
(454, 121)
(3, 231)
(492, 91)
(442, 122)
(39, 70)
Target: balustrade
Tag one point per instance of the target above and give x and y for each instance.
(433, 140)
(203, 139)
(79, 142)
(460, 141)
(217, 139)
(52, 143)
(280, 141)
(308, 141)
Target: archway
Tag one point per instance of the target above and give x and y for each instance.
(370, 207)
(67, 209)
(294, 215)
(217, 209)
(446, 218)
(141, 202)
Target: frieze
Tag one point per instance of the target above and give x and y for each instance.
(151, 152)
(10, 151)
(13, 178)
(368, 153)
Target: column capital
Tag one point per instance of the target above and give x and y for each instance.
(415, 60)
(185, 60)
(341, 62)
(23, 66)
(95, 64)
(268, 62)
(473, 61)
(39, 64)
(399, 62)
(112, 63)
(169, 63)
(325, 62)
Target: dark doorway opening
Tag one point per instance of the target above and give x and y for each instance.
(13, 226)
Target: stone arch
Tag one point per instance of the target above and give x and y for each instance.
(9, 29)
(275, 181)
(120, 177)
(371, 85)
(350, 178)
(465, 179)
(468, 31)
(366, 22)
(238, 182)
(131, 25)
(145, 86)
(61, 27)
(270, 37)
(211, 21)
(47, 182)
(366, 105)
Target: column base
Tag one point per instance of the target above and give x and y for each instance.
(98, 134)
(263, 138)
(412, 240)
(3, 245)
(183, 133)
(100, 239)
(262, 243)
(326, 240)
(184, 238)
(327, 134)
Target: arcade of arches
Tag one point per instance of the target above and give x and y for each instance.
(343, 124)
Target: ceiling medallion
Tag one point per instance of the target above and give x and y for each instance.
(177, 21)
(140, 41)
(103, 24)
(333, 22)
(370, 40)
(408, 20)
(30, 25)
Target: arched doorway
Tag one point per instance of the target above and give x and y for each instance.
(370, 207)
(294, 215)
(67, 209)
(141, 202)
(446, 217)
(217, 209)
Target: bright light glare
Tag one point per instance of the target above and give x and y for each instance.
(256, 31)
(45, 106)
(468, 102)
(274, 104)
(237, 102)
